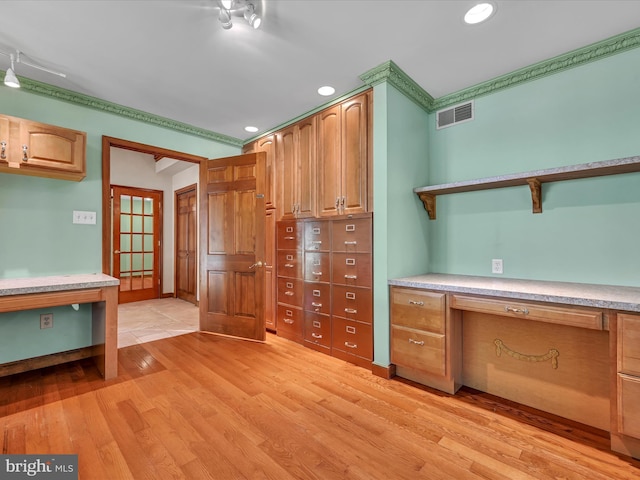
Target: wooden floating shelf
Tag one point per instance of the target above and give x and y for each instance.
(533, 179)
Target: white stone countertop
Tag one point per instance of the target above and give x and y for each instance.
(582, 294)
(20, 286)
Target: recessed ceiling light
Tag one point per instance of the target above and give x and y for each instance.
(326, 91)
(251, 129)
(479, 13)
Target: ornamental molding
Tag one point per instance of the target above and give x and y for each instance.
(69, 96)
(391, 73)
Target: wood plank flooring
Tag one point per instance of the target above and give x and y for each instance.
(200, 406)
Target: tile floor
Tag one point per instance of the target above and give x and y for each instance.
(140, 322)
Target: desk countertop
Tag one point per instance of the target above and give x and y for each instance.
(582, 294)
(21, 286)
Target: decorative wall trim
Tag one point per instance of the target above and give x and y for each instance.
(47, 90)
(391, 73)
(596, 51)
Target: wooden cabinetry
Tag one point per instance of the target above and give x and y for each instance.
(271, 321)
(33, 148)
(628, 377)
(343, 154)
(296, 169)
(333, 259)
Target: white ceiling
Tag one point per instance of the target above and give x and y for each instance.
(172, 58)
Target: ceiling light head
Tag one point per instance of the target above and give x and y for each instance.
(10, 79)
(225, 19)
(251, 129)
(479, 13)
(227, 4)
(326, 91)
(251, 16)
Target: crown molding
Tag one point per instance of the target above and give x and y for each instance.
(596, 51)
(391, 73)
(69, 96)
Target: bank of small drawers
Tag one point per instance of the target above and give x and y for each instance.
(418, 327)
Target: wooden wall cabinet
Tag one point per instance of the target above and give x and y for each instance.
(271, 319)
(33, 148)
(296, 170)
(343, 157)
(268, 145)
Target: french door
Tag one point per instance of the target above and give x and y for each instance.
(137, 223)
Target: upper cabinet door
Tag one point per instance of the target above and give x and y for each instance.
(268, 145)
(329, 162)
(287, 172)
(306, 179)
(355, 154)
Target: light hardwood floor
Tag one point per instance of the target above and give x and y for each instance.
(201, 406)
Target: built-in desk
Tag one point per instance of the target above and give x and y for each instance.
(100, 290)
(566, 348)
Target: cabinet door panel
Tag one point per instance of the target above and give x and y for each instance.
(354, 155)
(268, 145)
(306, 179)
(287, 172)
(52, 147)
(329, 165)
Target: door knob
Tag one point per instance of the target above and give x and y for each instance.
(257, 264)
(116, 251)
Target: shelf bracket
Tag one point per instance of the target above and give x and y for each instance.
(536, 194)
(429, 202)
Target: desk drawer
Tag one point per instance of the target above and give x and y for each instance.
(354, 303)
(290, 322)
(289, 263)
(419, 350)
(418, 309)
(629, 344)
(628, 402)
(288, 235)
(353, 338)
(571, 316)
(290, 291)
(317, 297)
(317, 267)
(317, 329)
(352, 235)
(317, 236)
(352, 269)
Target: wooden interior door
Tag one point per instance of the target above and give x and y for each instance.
(137, 223)
(186, 240)
(232, 246)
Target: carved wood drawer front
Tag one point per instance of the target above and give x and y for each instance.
(317, 329)
(290, 321)
(352, 235)
(417, 349)
(629, 344)
(290, 291)
(628, 402)
(418, 309)
(354, 303)
(289, 263)
(571, 316)
(288, 236)
(317, 297)
(352, 337)
(317, 236)
(317, 267)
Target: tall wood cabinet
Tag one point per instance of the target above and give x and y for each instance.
(34, 148)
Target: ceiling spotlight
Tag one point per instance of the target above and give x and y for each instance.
(226, 4)
(10, 79)
(479, 13)
(251, 16)
(251, 129)
(326, 91)
(225, 19)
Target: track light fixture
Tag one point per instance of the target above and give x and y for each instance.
(240, 8)
(10, 79)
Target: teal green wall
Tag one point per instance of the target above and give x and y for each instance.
(400, 222)
(589, 228)
(36, 231)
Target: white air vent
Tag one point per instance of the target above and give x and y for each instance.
(454, 115)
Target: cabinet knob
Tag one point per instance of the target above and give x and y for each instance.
(25, 157)
(3, 152)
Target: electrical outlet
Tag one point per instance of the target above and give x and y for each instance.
(46, 320)
(496, 265)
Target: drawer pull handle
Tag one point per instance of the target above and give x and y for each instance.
(316, 324)
(351, 277)
(25, 157)
(415, 342)
(350, 295)
(316, 230)
(316, 335)
(316, 273)
(413, 302)
(289, 293)
(315, 304)
(516, 310)
(350, 345)
(350, 310)
(350, 329)
(289, 265)
(3, 154)
(289, 229)
(289, 238)
(350, 228)
(350, 243)
(316, 242)
(289, 321)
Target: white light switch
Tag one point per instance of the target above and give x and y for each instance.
(85, 218)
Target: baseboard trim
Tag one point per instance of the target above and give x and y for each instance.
(387, 372)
